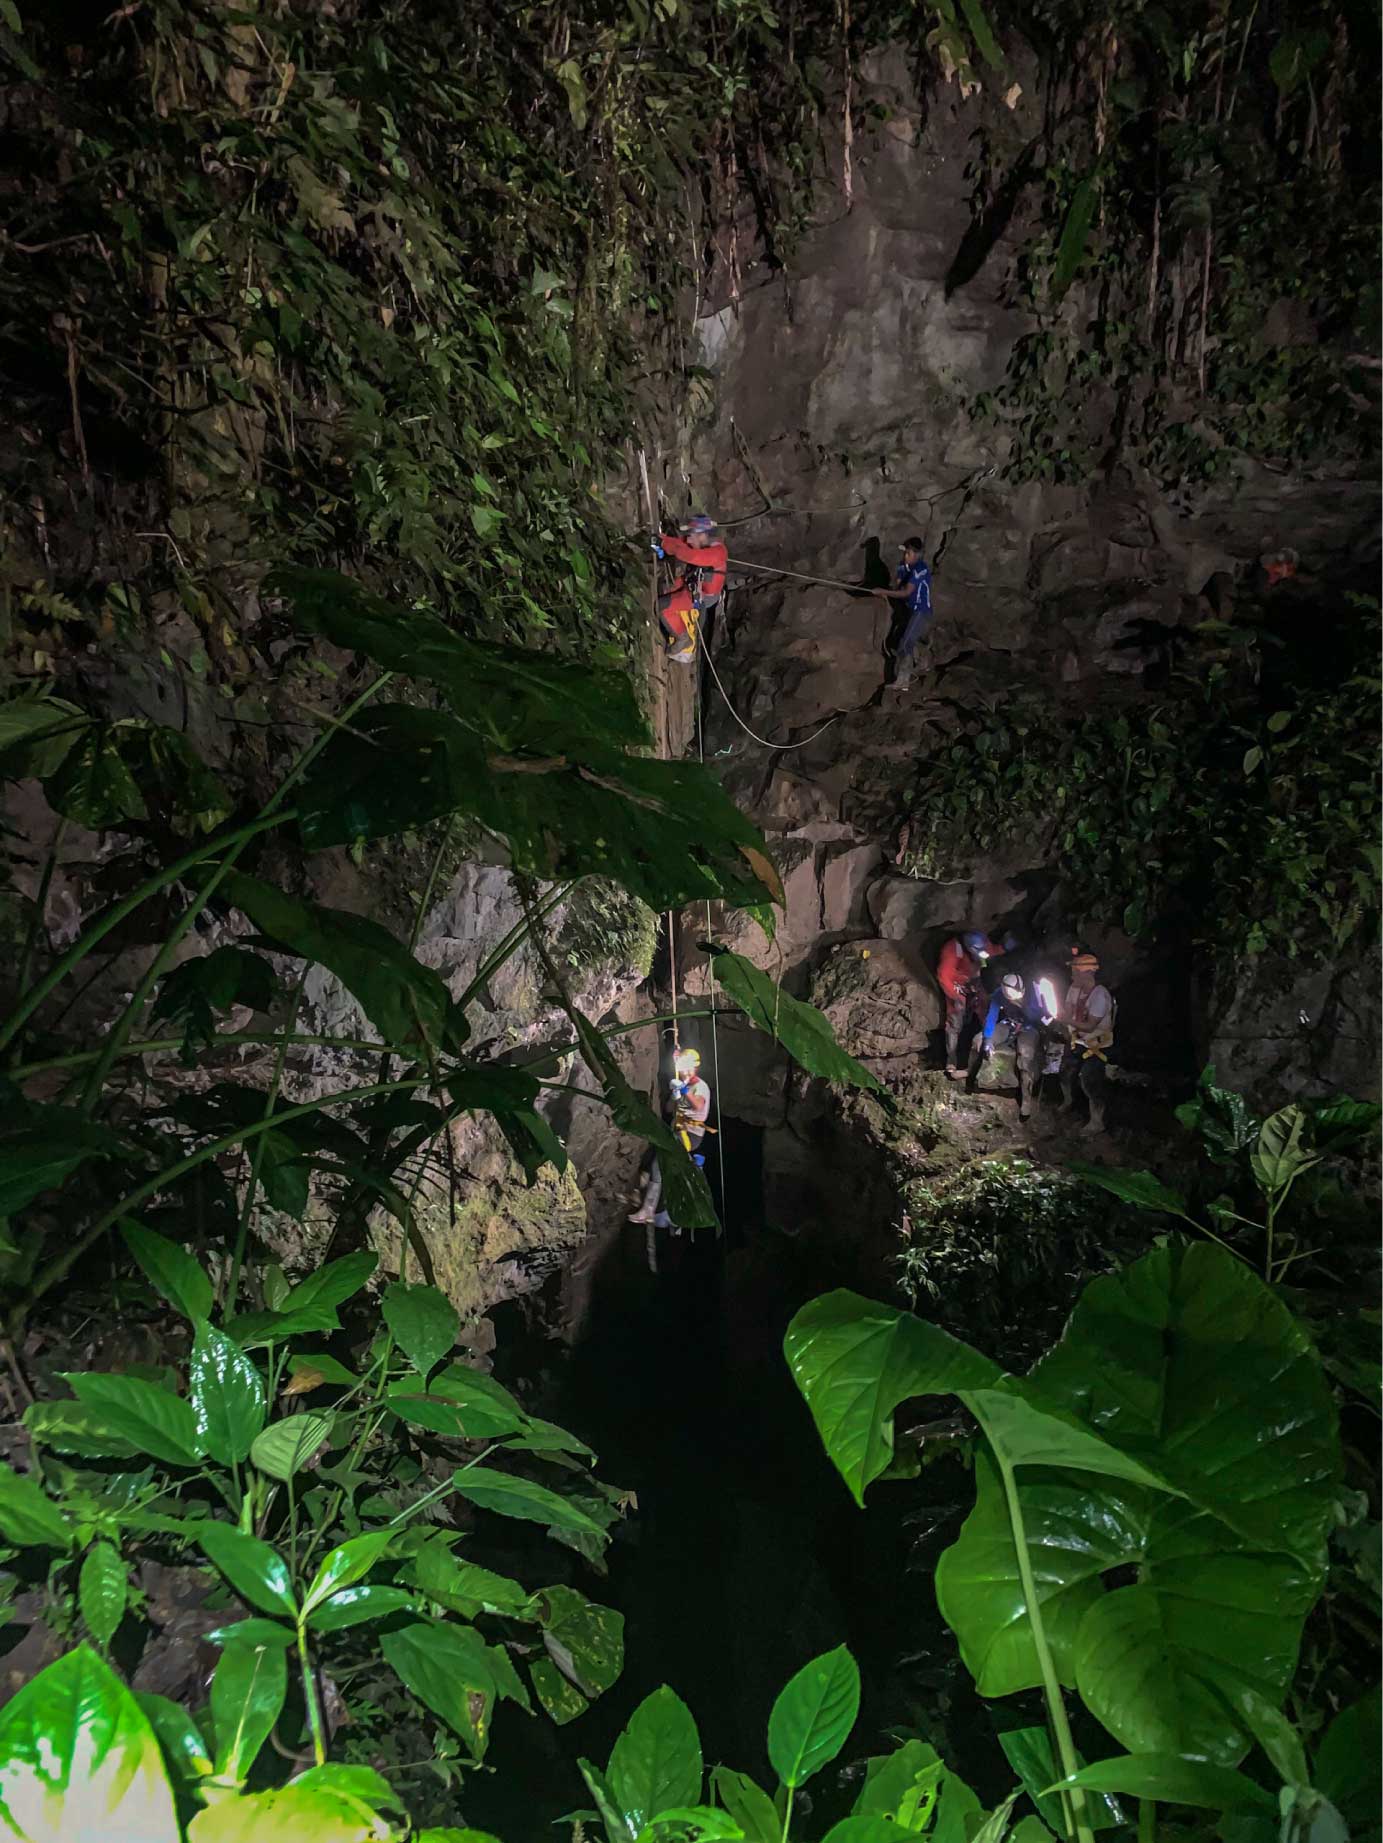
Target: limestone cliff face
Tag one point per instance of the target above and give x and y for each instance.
(845, 394)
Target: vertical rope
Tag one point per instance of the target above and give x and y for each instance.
(669, 919)
(715, 1034)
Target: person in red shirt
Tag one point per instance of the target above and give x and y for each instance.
(698, 583)
(958, 970)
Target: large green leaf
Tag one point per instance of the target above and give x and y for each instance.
(358, 1606)
(461, 1403)
(226, 1394)
(1029, 1752)
(902, 1786)
(310, 1305)
(39, 1157)
(102, 1590)
(79, 1762)
(665, 830)
(514, 699)
(344, 1565)
(748, 1804)
(511, 1496)
(1171, 1778)
(584, 1645)
(465, 1588)
(422, 1322)
(68, 1427)
(811, 1720)
(1190, 1364)
(28, 1517)
(194, 992)
(36, 734)
(656, 1761)
(1281, 1152)
(308, 1810)
(1348, 1766)
(185, 1754)
(855, 1361)
(511, 1096)
(1074, 234)
(1143, 1189)
(804, 1032)
(257, 1572)
(93, 785)
(152, 1419)
(446, 1668)
(607, 1805)
(247, 1693)
(286, 1445)
(178, 1275)
(407, 1002)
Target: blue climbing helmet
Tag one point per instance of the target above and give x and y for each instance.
(975, 941)
(699, 521)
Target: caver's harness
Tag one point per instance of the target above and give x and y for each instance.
(1100, 1037)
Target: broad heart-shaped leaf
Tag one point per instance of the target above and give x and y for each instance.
(1280, 1152)
(1171, 1778)
(855, 1360)
(287, 1445)
(748, 1804)
(247, 1693)
(178, 1275)
(584, 1644)
(102, 1590)
(511, 1496)
(1157, 1662)
(226, 1393)
(1348, 1765)
(665, 830)
(307, 1810)
(804, 1032)
(346, 1564)
(79, 1762)
(152, 1419)
(1141, 1188)
(1189, 1364)
(446, 1668)
(656, 1761)
(407, 1002)
(812, 1718)
(422, 1322)
(257, 1572)
(28, 1517)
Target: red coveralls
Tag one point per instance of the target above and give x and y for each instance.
(704, 585)
(958, 975)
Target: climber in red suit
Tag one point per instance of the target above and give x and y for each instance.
(698, 583)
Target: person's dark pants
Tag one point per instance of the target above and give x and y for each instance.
(1027, 1046)
(913, 633)
(959, 1012)
(653, 1195)
(1092, 1074)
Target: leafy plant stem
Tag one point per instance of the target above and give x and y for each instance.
(60, 1264)
(1147, 1820)
(438, 1490)
(160, 1045)
(313, 1706)
(247, 1207)
(787, 1814)
(113, 916)
(1056, 1707)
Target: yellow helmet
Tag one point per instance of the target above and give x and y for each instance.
(687, 1061)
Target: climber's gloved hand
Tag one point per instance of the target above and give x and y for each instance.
(657, 549)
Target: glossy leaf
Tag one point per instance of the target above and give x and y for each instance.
(28, 1517)
(1029, 1752)
(902, 1786)
(257, 1572)
(252, 1631)
(226, 1393)
(617, 1828)
(748, 1804)
(102, 1591)
(406, 1001)
(464, 1588)
(178, 1275)
(1348, 1764)
(446, 1668)
(811, 1720)
(154, 1420)
(333, 1283)
(287, 1445)
(1173, 1779)
(358, 1605)
(185, 1754)
(68, 1427)
(422, 1321)
(247, 1694)
(584, 1644)
(1187, 1359)
(656, 1762)
(300, 1812)
(346, 1564)
(511, 1496)
(804, 1032)
(79, 1762)
(461, 1403)
(855, 1361)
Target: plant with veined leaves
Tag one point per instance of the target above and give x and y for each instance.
(1184, 1429)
